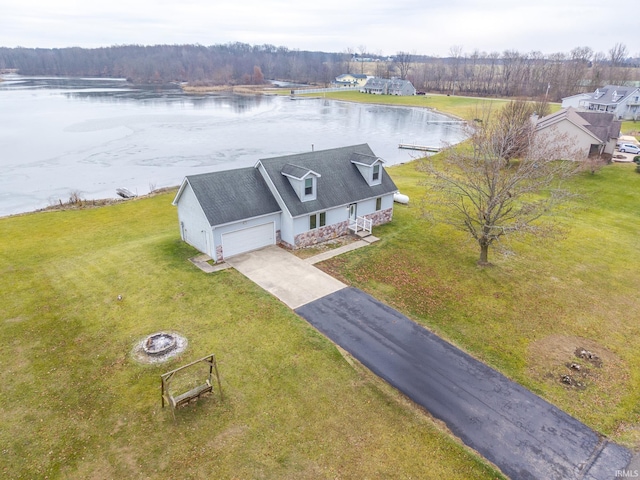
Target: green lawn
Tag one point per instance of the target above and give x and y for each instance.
(543, 299)
(467, 108)
(76, 404)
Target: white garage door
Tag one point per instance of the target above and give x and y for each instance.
(247, 239)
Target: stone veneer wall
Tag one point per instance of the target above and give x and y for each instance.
(321, 234)
(381, 216)
(336, 230)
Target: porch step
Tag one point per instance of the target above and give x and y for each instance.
(370, 239)
(363, 233)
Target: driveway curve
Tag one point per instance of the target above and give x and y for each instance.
(525, 436)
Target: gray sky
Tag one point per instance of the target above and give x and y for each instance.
(429, 27)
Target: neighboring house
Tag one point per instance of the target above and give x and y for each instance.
(594, 133)
(576, 101)
(388, 86)
(623, 102)
(294, 200)
(351, 80)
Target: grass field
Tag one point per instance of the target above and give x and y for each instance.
(466, 108)
(543, 299)
(76, 404)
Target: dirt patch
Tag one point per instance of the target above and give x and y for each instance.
(578, 363)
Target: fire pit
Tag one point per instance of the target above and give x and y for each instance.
(159, 343)
(159, 347)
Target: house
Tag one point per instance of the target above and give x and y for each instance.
(388, 86)
(351, 80)
(623, 102)
(595, 133)
(580, 100)
(294, 200)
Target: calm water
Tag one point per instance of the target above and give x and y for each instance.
(59, 136)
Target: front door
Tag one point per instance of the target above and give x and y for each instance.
(353, 211)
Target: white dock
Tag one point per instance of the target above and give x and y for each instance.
(424, 148)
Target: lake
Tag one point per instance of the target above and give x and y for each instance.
(91, 136)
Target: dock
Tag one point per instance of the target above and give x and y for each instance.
(424, 148)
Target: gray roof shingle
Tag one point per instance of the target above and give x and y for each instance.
(340, 184)
(233, 195)
(295, 171)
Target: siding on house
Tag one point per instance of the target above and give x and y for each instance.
(194, 227)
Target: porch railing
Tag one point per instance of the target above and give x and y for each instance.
(360, 224)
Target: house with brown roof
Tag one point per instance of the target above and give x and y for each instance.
(594, 133)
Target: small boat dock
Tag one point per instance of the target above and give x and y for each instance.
(424, 148)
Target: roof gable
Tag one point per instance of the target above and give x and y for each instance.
(364, 159)
(232, 195)
(340, 184)
(601, 126)
(297, 172)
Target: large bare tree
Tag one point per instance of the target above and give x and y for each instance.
(488, 196)
(403, 62)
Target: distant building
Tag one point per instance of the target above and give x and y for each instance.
(350, 80)
(388, 86)
(623, 102)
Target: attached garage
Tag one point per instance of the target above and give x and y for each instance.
(248, 239)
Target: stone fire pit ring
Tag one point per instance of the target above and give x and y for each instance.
(159, 347)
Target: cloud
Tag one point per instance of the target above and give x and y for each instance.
(331, 25)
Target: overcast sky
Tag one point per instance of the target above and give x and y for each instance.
(429, 27)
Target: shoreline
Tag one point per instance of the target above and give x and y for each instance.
(86, 204)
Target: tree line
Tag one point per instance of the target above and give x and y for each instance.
(228, 64)
(533, 75)
(507, 74)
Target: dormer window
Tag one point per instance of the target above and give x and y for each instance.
(370, 167)
(303, 181)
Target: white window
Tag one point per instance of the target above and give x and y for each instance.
(308, 186)
(376, 172)
(317, 220)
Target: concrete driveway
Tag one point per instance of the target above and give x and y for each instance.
(287, 277)
(525, 436)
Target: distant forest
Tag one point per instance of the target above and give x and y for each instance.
(508, 74)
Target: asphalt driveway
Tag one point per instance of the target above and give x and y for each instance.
(525, 436)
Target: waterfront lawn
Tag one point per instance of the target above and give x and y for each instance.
(76, 404)
(467, 108)
(543, 299)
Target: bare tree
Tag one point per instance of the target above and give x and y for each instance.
(403, 62)
(488, 197)
(617, 56)
(363, 51)
(509, 134)
(456, 54)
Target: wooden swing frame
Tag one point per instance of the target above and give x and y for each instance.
(177, 401)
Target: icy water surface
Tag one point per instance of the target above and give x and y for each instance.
(91, 136)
